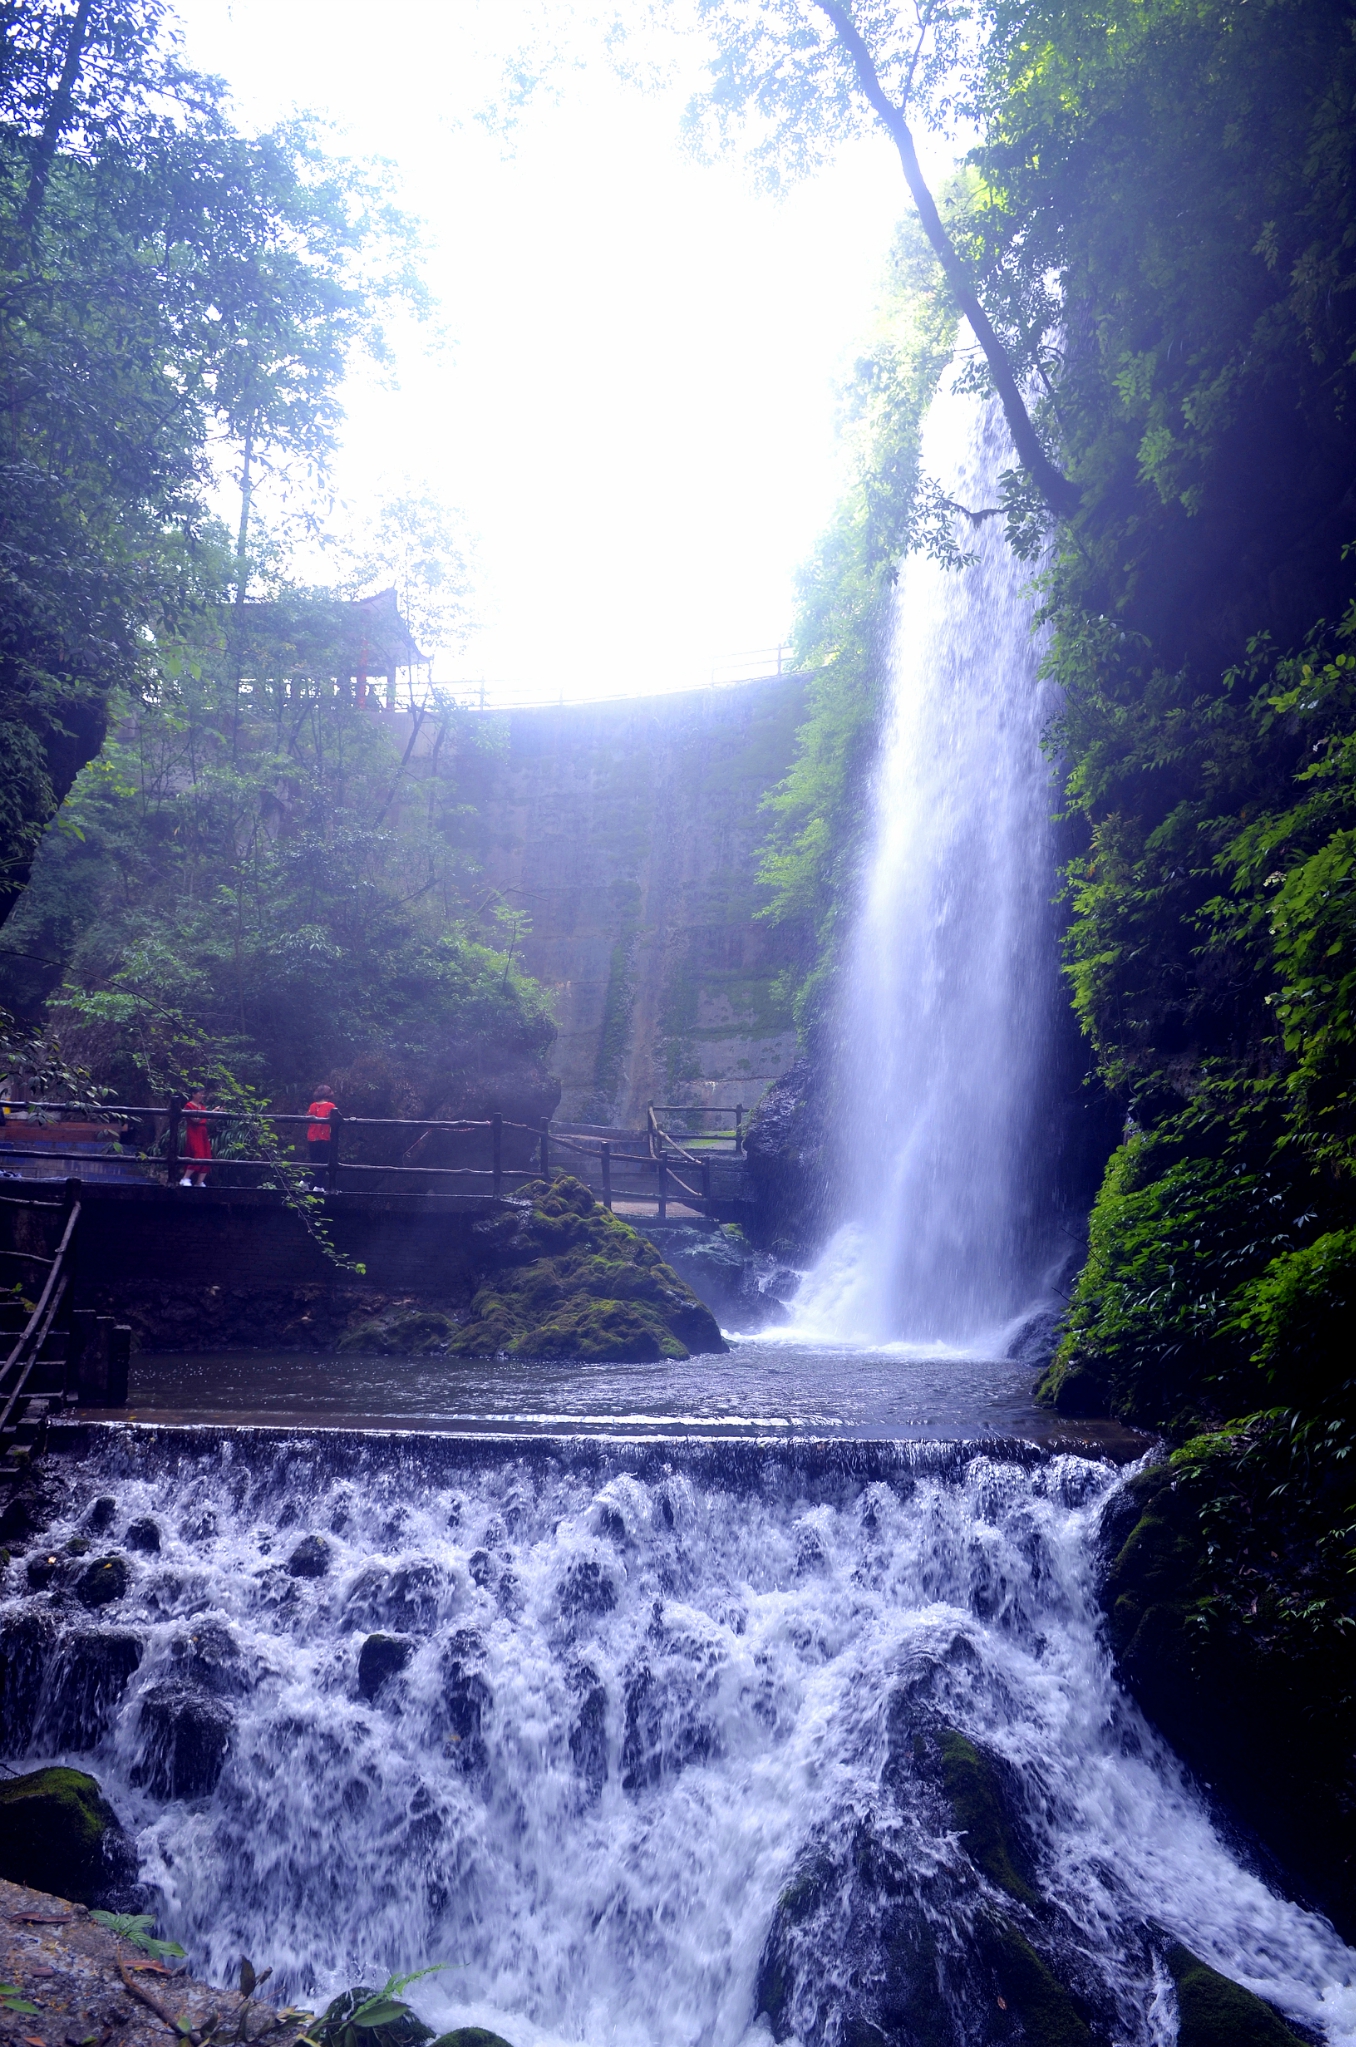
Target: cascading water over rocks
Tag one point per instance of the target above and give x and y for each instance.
(658, 1744)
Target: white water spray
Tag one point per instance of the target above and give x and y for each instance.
(636, 1697)
(950, 980)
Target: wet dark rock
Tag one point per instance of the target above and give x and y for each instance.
(1272, 1733)
(973, 1783)
(58, 1833)
(336, 2022)
(33, 1507)
(666, 1722)
(470, 2036)
(465, 1698)
(381, 1657)
(143, 1534)
(787, 1150)
(76, 1546)
(588, 1735)
(89, 1675)
(745, 1288)
(401, 1331)
(100, 1516)
(812, 1559)
(1214, 2012)
(47, 1568)
(310, 1558)
(481, 1566)
(103, 1581)
(186, 1737)
(415, 1593)
(587, 1588)
(27, 1639)
(209, 1657)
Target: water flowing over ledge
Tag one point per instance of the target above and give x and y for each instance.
(644, 1745)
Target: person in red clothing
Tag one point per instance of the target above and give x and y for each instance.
(197, 1145)
(318, 1134)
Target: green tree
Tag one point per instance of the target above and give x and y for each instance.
(166, 285)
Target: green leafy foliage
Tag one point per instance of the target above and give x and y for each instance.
(165, 282)
(371, 2018)
(248, 891)
(136, 1927)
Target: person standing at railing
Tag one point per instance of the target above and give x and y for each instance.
(197, 1145)
(319, 1135)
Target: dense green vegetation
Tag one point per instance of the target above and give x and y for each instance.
(238, 891)
(253, 883)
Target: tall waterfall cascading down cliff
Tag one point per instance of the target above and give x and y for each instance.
(652, 1746)
(946, 1016)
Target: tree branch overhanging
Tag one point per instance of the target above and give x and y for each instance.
(1059, 491)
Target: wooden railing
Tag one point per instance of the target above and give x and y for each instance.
(669, 1173)
(26, 1391)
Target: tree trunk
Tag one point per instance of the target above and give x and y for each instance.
(1060, 493)
(58, 115)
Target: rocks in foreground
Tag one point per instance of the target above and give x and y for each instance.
(59, 1833)
(966, 1951)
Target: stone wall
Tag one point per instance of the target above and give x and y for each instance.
(628, 833)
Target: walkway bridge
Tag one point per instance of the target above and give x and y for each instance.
(651, 1171)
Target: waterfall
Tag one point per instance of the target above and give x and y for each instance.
(950, 978)
(640, 1739)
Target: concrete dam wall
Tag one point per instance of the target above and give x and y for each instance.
(628, 834)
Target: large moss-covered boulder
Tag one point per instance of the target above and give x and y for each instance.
(1206, 1643)
(1215, 2012)
(58, 1833)
(567, 1279)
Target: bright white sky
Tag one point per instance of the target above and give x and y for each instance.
(635, 408)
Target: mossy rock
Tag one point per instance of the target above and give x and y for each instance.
(401, 1332)
(1215, 2012)
(470, 2036)
(570, 1280)
(1031, 1993)
(970, 1780)
(58, 1833)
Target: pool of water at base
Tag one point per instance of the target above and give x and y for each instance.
(761, 1387)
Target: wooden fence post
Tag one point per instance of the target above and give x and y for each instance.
(497, 1153)
(176, 1103)
(739, 1126)
(546, 1148)
(663, 1188)
(332, 1181)
(607, 1173)
(706, 1185)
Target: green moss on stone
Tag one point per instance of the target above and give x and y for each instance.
(56, 1828)
(573, 1281)
(1031, 1993)
(401, 1332)
(972, 1786)
(470, 2036)
(1215, 2012)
